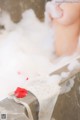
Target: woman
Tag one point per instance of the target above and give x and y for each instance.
(67, 26)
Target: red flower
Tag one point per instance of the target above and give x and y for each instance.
(20, 92)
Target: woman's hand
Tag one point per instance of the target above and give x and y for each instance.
(71, 13)
(52, 11)
(64, 13)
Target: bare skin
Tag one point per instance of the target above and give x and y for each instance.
(67, 29)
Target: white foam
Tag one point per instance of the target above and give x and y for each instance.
(74, 65)
(67, 86)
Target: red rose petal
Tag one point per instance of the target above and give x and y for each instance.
(20, 92)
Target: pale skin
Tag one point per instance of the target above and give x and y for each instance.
(67, 29)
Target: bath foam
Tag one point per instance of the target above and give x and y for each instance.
(27, 48)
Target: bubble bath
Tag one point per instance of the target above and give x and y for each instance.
(27, 51)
